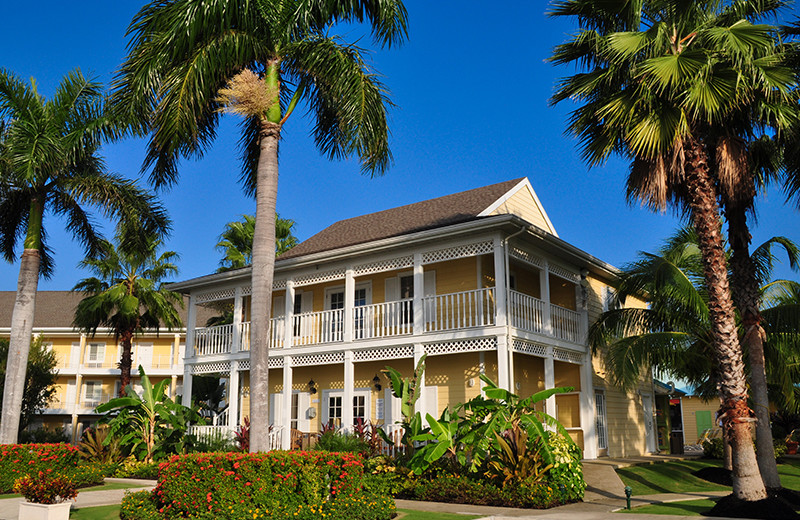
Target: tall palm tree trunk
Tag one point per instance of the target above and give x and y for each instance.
(125, 361)
(746, 296)
(261, 282)
(747, 483)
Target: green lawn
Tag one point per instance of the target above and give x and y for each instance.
(687, 508)
(676, 477)
(424, 515)
(103, 487)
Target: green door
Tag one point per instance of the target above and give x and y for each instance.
(704, 423)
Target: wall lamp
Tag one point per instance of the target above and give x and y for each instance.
(312, 387)
(376, 382)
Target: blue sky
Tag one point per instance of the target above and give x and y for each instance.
(471, 88)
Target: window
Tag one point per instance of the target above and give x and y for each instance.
(600, 414)
(610, 301)
(295, 409)
(95, 354)
(92, 392)
(335, 410)
(332, 414)
(407, 292)
(359, 409)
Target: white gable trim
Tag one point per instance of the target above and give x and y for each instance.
(513, 191)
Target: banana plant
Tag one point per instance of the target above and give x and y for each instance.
(408, 390)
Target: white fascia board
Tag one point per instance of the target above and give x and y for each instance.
(513, 191)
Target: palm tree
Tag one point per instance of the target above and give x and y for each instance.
(236, 242)
(127, 296)
(190, 61)
(49, 165)
(666, 80)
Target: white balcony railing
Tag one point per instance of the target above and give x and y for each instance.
(566, 324)
(213, 340)
(527, 312)
(93, 401)
(311, 328)
(459, 310)
(380, 320)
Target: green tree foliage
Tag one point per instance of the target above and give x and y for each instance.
(127, 294)
(236, 242)
(40, 378)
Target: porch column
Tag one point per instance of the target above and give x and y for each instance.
(544, 284)
(503, 372)
(236, 343)
(349, 304)
(419, 351)
(288, 320)
(173, 386)
(419, 293)
(233, 396)
(550, 381)
(588, 420)
(76, 404)
(500, 282)
(176, 351)
(286, 404)
(190, 353)
(186, 399)
(347, 399)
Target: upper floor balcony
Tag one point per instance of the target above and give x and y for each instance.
(464, 310)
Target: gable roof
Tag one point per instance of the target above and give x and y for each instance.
(428, 214)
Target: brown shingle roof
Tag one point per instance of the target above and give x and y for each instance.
(57, 309)
(428, 214)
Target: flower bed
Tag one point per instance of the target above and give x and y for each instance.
(18, 460)
(276, 485)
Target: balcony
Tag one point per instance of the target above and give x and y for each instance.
(441, 313)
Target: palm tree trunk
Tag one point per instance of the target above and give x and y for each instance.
(21, 326)
(125, 361)
(747, 483)
(746, 295)
(261, 282)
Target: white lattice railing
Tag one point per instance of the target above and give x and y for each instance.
(566, 323)
(210, 433)
(213, 340)
(459, 310)
(318, 327)
(383, 319)
(274, 438)
(527, 312)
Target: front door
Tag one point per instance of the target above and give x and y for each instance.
(649, 420)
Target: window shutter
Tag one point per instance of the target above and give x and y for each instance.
(278, 306)
(303, 404)
(275, 401)
(392, 288)
(307, 302)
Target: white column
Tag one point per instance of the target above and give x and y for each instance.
(76, 404)
(588, 409)
(349, 384)
(550, 381)
(502, 362)
(173, 386)
(286, 405)
(237, 320)
(421, 406)
(288, 321)
(233, 396)
(349, 304)
(419, 293)
(191, 318)
(511, 379)
(176, 351)
(186, 399)
(544, 284)
(500, 282)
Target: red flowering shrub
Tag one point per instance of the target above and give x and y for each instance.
(45, 487)
(18, 460)
(277, 485)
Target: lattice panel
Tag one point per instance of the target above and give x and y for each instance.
(326, 358)
(377, 354)
(311, 279)
(526, 257)
(244, 364)
(564, 273)
(275, 362)
(391, 264)
(226, 294)
(478, 248)
(467, 345)
(247, 291)
(530, 348)
(568, 355)
(278, 284)
(221, 367)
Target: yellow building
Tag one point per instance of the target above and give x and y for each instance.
(88, 373)
(479, 281)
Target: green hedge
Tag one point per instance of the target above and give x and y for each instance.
(18, 460)
(276, 485)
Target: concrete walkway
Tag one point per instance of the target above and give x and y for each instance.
(9, 507)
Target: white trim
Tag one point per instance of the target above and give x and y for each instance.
(327, 394)
(513, 191)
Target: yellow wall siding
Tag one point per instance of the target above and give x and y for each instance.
(567, 374)
(451, 375)
(562, 292)
(455, 275)
(690, 406)
(487, 270)
(568, 410)
(524, 205)
(529, 374)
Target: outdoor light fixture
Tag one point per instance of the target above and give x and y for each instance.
(628, 492)
(376, 382)
(312, 387)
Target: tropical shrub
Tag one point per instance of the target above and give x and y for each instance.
(277, 485)
(139, 506)
(96, 446)
(43, 436)
(566, 475)
(332, 440)
(779, 447)
(132, 468)
(529, 493)
(45, 487)
(713, 448)
(17, 460)
(85, 475)
(456, 489)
